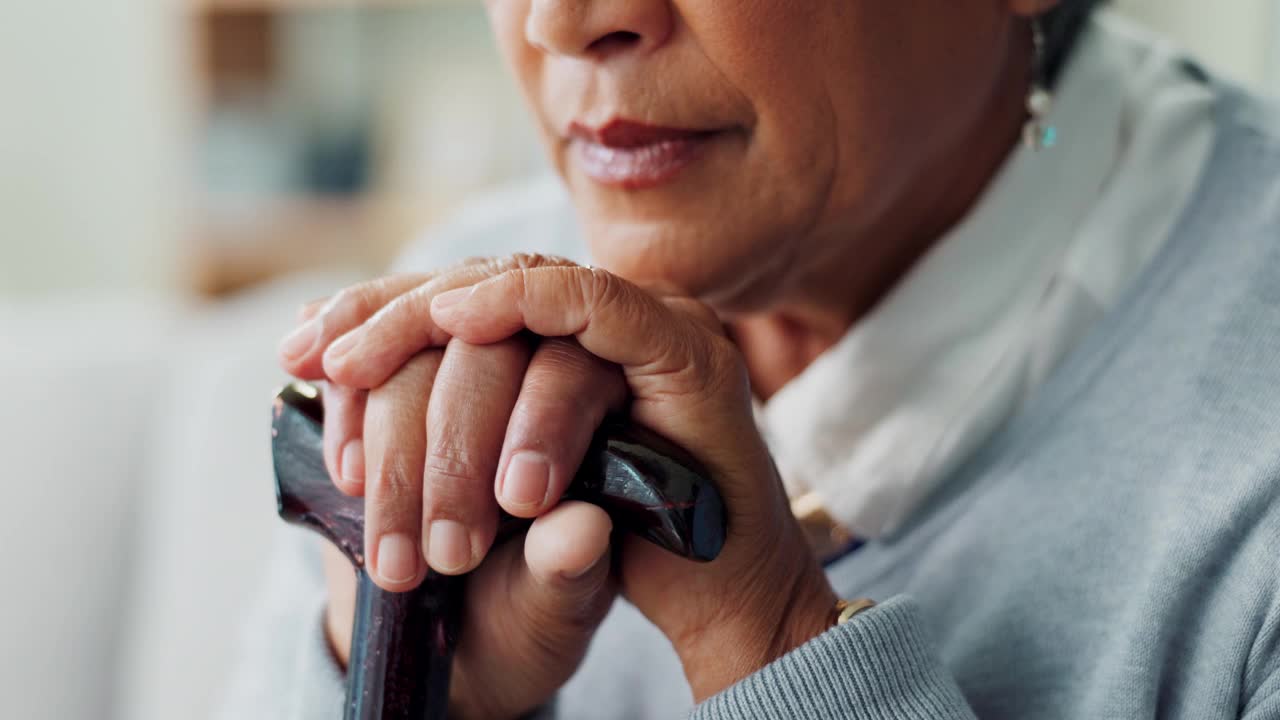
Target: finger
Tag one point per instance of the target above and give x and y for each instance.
(683, 379)
(471, 403)
(534, 606)
(565, 395)
(343, 437)
(301, 350)
(611, 318)
(395, 449)
(366, 356)
(565, 589)
(566, 552)
(311, 309)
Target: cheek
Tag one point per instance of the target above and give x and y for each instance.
(916, 78)
(828, 89)
(774, 54)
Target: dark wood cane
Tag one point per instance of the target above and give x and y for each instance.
(402, 643)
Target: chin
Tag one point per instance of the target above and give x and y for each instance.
(685, 259)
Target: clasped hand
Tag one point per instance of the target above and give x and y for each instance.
(455, 393)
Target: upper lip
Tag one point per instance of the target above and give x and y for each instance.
(622, 133)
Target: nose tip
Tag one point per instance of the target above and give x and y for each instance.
(597, 29)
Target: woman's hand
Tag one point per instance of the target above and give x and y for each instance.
(533, 605)
(765, 595)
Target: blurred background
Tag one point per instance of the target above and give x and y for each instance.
(176, 176)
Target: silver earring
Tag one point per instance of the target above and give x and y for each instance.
(1038, 134)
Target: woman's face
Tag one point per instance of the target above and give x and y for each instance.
(721, 148)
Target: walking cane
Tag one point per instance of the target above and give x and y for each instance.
(402, 643)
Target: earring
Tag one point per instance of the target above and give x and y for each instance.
(1037, 134)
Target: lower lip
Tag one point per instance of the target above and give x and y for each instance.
(637, 168)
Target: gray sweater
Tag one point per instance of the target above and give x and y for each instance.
(1113, 552)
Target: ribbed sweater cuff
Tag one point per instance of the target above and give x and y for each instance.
(878, 666)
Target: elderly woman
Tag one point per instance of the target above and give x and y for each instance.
(993, 345)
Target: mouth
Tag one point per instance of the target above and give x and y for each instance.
(634, 156)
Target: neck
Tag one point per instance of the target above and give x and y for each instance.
(846, 283)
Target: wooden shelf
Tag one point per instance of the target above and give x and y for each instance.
(233, 251)
(234, 54)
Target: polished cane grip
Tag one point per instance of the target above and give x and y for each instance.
(402, 643)
(652, 488)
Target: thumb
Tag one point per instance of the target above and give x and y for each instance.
(565, 588)
(530, 619)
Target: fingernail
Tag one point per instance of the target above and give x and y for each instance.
(342, 345)
(353, 461)
(582, 573)
(448, 547)
(444, 301)
(397, 558)
(525, 485)
(297, 343)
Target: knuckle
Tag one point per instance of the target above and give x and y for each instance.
(516, 280)
(528, 261)
(561, 358)
(560, 397)
(400, 309)
(356, 301)
(395, 479)
(452, 476)
(493, 265)
(469, 261)
(601, 287)
(542, 422)
(469, 367)
(388, 284)
(563, 371)
(594, 289)
(446, 466)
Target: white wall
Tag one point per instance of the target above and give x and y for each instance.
(90, 143)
